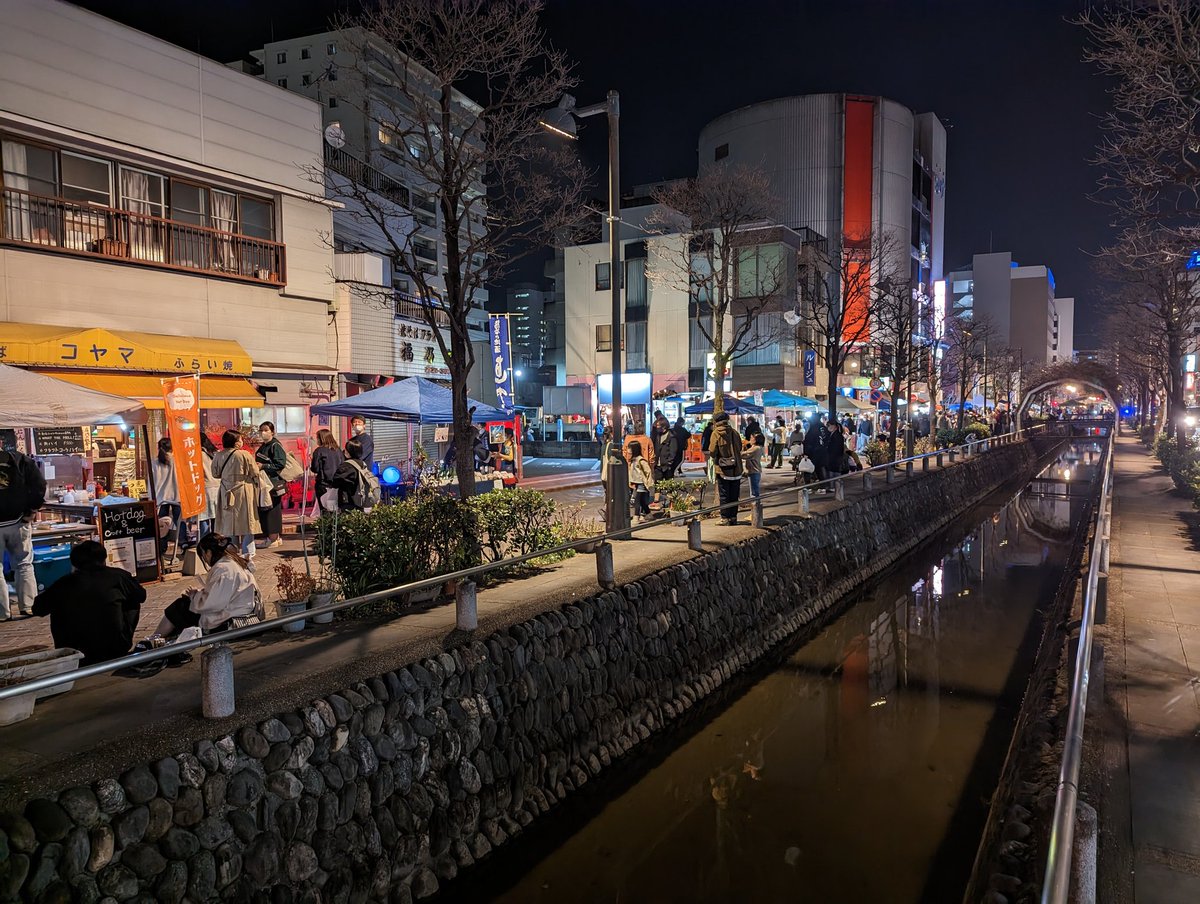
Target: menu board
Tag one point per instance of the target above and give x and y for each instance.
(130, 534)
(58, 440)
(8, 440)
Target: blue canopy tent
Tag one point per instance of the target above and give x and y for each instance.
(733, 405)
(415, 400)
(777, 398)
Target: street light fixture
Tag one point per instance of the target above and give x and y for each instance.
(561, 120)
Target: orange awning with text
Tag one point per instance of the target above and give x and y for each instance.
(215, 392)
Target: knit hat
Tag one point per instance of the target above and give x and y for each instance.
(721, 418)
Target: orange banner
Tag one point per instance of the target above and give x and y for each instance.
(181, 396)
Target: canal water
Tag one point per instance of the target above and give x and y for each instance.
(859, 767)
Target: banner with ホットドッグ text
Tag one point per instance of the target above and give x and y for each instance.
(182, 398)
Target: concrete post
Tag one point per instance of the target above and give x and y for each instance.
(868, 483)
(888, 475)
(939, 458)
(216, 682)
(605, 576)
(908, 469)
(953, 455)
(694, 541)
(839, 490)
(1083, 857)
(756, 514)
(466, 616)
(925, 463)
(804, 502)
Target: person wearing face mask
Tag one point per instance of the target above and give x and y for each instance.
(358, 425)
(272, 458)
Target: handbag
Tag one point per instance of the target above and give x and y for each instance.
(265, 489)
(806, 466)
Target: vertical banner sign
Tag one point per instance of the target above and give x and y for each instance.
(182, 398)
(810, 367)
(502, 361)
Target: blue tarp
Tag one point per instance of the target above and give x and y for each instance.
(733, 405)
(777, 398)
(415, 400)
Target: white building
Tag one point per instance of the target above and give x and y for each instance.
(157, 219)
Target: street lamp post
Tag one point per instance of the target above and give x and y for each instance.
(561, 121)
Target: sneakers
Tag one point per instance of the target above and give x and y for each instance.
(278, 541)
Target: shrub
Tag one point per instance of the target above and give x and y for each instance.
(952, 436)
(513, 522)
(876, 453)
(679, 495)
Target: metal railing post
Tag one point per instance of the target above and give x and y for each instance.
(756, 513)
(695, 543)
(466, 616)
(605, 575)
(216, 682)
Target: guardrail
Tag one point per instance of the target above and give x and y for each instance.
(1057, 882)
(217, 662)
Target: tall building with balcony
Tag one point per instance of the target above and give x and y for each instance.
(156, 219)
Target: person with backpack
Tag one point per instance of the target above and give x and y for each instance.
(326, 459)
(725, 452)
(358, 489)
(641, 481)
(272, 458)
(22, 492)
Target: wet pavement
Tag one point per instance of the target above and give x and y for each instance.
(857, 769)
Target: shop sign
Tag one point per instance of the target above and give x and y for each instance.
(501, 361)
(182, 406)
(100, 349)
(416, 351)
(810, 367)
(58, 440)
(129, 533)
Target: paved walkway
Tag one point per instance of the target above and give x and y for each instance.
(1150, 802)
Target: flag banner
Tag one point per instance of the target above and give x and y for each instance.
(502, 361)
(810, 367)
(182, 398)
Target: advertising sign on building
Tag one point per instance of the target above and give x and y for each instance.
(710, 370)
(181, 396)
(501, 361)
(416, 351)
(810, 367)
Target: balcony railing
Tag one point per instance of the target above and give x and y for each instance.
(91, 230)
(412, 307)
(346, 164)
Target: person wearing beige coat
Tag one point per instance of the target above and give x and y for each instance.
(237, 500)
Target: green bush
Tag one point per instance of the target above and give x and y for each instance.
(513, 522)
(952, 436)
(1182, 464)
(876, 453)
(679, 495)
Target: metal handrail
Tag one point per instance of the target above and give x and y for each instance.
(1057, 881)
(172, 649)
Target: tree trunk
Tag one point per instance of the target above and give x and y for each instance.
(464, 461)
(962, 396)
(719, 358)
(1175, 407)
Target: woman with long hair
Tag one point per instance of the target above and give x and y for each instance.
(237, 499)
(227, 598)
(324, 464)
(272, 458)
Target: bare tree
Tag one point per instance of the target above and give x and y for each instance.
(711, 249)
(843, 285)
(1150, 152)
(966, 342)
(482, 162)
(1135, 347)
(897, 319)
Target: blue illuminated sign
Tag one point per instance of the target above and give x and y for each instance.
(810, 368)
(501, 361)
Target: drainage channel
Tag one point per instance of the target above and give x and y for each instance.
(857, 766)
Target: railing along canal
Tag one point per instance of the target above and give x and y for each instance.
(217, 660)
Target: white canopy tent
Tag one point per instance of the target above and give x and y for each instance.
(32, 400)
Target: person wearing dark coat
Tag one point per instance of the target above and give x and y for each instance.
(682, 437)
(325, 461)
(665, 452)
(835, 450)
(95, 608)
(814, 446)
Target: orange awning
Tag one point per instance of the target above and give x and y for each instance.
(215, 392)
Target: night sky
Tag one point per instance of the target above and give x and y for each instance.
(1006, 78)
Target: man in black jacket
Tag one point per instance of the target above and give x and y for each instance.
(95, 608)
(814, 446)
(22, 492)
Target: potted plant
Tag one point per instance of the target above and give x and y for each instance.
(295, 588)
(323, 592)
(677, 496)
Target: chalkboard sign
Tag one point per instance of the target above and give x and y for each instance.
(130, 534)
(58, 440)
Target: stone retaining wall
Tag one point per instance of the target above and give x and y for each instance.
(380, 791)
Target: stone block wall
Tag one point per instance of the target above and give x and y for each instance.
(381, 791)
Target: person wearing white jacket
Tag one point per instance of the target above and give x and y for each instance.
(228, 597)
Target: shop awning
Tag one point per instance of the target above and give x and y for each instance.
(28, 399)
(67, 348)
(215, 392)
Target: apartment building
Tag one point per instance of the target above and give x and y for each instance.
(157, 219)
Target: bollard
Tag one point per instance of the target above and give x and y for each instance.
(908, 468)
(466, 616)
(804, 502)
(1085, 843)
(939, 458)
(953, 455)
(839, 491)
(695, 543)
(604, 566)
(216, 682)
(756, 514)
(925, 463)
(868, 482)
(887, 474)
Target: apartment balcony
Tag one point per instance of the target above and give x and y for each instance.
(425, 252)
(411, 307)
(346, 164)
(84, 229)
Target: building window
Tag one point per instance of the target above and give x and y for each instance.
(306, 79)
(331, 74)
(604, 337)
(281, 57)
(721, 152)
(414, 152)
(282, 83)
(330, 49)
(603, 277)
(86, 179)
(332, 102)
(305, 53)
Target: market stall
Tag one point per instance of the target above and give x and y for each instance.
(72, 432)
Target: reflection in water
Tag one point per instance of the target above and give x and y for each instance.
(859, 769)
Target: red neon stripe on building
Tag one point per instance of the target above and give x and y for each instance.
(857, 165)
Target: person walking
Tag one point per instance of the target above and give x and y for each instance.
(166, 491)
(778, 438)
(358, 427)
(22, 492)
(272, 458)
(682, 438)
(641, 481)
(865, 430)
(237, 505)
(324, 464)
(814, 447)
(725, 449)
(752, 453)
(835, 451)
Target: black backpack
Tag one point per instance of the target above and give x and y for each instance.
(17, 495)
